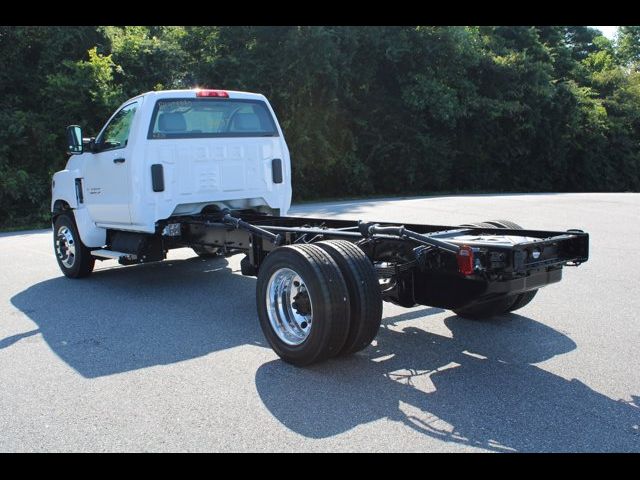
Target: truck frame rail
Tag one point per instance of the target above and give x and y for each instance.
(438, 265)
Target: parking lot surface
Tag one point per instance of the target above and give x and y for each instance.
(170, 357)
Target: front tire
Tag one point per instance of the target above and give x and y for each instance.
(74, 258)
(303, 304)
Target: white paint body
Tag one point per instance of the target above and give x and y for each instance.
(231, 172)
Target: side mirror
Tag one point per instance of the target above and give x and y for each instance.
(74, 140)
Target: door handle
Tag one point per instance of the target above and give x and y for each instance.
(118, 160)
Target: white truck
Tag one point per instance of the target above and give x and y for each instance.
(210, 170)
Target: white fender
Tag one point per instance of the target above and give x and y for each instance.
(90, 235)
(63, 188)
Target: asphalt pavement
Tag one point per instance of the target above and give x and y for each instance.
(170, 357)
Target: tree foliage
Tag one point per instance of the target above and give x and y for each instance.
(365, 110)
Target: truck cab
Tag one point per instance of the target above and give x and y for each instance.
(170, 153)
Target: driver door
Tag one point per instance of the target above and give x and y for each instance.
(107, 174)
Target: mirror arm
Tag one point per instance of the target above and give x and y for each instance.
(89, 144)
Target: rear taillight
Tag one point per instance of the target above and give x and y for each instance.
(212, 93)
(465, 260)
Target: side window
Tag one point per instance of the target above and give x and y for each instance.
(116, 133)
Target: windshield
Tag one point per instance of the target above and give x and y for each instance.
(211, 117)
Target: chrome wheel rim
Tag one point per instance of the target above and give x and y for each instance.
(289, 306)
(66, 247)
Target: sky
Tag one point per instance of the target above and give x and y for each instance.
(609, 32)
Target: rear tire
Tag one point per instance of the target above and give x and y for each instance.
(504, 224)
(502, 305)
(206, 251)
(74, 258)
(303, 304)
(487, 310)
(522, 300)
(364, 293)
(479, 225)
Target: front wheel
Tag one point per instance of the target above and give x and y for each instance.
(74, 258)
(303, 304)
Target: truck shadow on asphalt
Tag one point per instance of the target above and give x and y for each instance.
(126, 318)
(478, 388)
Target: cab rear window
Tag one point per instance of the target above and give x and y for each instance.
(211, 117)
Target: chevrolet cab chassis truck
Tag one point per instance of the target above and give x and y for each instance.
(210, 170)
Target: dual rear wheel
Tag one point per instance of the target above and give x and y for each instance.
(503, 304)
(317, 301)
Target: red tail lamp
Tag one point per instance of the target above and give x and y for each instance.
(465, 260)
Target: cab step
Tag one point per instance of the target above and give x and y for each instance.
(120, 256)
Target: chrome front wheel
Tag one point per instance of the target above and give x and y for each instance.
(65, 246)
(74, 258)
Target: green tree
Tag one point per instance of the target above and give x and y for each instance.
(384, 109)
(629, 46)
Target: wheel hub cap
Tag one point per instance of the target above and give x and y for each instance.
(65, 247)
(289, 306)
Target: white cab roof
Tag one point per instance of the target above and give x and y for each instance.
(192, 94)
